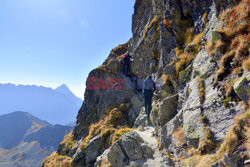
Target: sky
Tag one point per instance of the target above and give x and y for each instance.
(51, 42)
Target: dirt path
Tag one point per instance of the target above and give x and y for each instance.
(151, 141)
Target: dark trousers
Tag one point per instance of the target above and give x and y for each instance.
(125, 68)
(148, 94)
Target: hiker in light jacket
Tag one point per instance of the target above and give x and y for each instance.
(148, 89)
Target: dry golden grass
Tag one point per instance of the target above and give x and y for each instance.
(236, 19)
(153, 24)
(201, 87)
(67, 143)
(109, 128)
(55, 160)
(179, 135)
(167, 23)
(234, 43)
(197, 39)
(155, 54)
(184, 59)
(184, 32)
(118, 133)
(206, 144)
(246, 63)
(159, 143)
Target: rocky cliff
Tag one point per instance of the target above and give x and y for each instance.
(198, 54)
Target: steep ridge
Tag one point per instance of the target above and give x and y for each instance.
(25, 140)
(198, 54)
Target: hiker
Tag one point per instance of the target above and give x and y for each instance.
(148, 89)
(126, 63)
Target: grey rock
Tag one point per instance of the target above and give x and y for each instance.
(218, 164)
(124, 151)
(167, 110)
(131, 147)
(169, 70)
(247, 162)
(141, 120)
(166, 132)
(114, 66)
(216, 36)
(169, 162)
(101, 158)
(91, 151)
(133, 164)
(148, 152)
(79, 155)
(116, 156)
(137, 104)
(213, 24)
(203, 65)
(242, 87)
(192, 125)
(229, 160)
(185, 75)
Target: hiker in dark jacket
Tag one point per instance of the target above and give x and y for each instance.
(126, 63)
(148, 89)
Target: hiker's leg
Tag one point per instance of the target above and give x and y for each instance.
(148, 109)
(145, 101)
(150, 104)
(126, 71)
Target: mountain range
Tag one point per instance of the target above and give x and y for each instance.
(57, 106)
(25, 140)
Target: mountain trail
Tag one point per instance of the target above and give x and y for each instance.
(151, 141)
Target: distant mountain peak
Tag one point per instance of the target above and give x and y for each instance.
(61, 104)
(63, 86)
(64, 89)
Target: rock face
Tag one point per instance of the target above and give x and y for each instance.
(200, 63)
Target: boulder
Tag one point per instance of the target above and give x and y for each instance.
(137, 104)
(91, 151)
(184, 75)
(168, 109)
(131, 147)
(141, 120)
(166, 132)
(192, 125)
(133, 164)
(242, 87)
(124, 151)
(218, 164)
(216, 36)
(203, 65)
(116, 155)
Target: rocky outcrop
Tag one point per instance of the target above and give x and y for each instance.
(202, 87)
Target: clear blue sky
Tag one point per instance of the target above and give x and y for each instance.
(50, 42)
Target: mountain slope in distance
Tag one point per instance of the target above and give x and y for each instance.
(56, 106)
(26, 140)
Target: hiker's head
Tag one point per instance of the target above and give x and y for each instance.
(150, 76)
